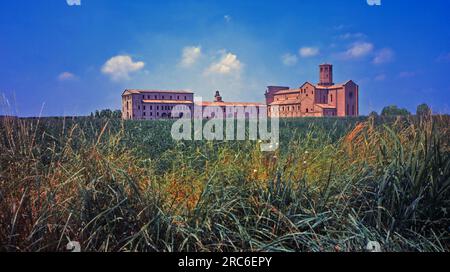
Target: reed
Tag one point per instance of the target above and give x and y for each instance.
(333, 185)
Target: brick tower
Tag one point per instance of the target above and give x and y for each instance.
(326, 75)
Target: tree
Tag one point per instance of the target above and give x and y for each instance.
(106, 113)
(373, 114)
(393, 110)
(423, 110)
(117, 114)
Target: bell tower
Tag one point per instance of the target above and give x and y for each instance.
(326, 75)
(218, 97)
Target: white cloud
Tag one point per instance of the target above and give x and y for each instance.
(120, 67)
(306, 52)
(444, 57)
(340, 27)
(227, 18)
(190, 55)
(289, 59)
(228, 64)
(349, 35)
(73, 2)
(359, 50)
(407, 74)
(383, 56)
(66, 76)
(381, 77)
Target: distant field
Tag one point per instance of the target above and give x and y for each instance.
(333, 185)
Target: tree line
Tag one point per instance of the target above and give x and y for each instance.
(393, 110)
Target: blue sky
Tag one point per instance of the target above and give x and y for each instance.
(73, 59)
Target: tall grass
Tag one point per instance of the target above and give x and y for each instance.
(333, 185)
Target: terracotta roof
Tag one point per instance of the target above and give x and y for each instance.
(233, 104)
(325, 106)
(286, 102)
(338, 86)
(135, 91)
(287, 91)
(168, 101)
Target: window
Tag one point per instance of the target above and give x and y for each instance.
(350, 94)
(151, 113)
(178, 97)
(163, 97)
(144, 113)
(151, 108)
(157, 114)
(144, 107)
(157, 107)
(170, 97)
(331, 98)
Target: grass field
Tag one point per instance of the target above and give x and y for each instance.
(333, 185)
